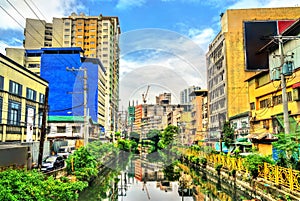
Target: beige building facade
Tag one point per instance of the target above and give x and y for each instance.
(226, 63)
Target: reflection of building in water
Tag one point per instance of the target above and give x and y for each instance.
(146, 171)
(164, 186)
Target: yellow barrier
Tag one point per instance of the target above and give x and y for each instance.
(286, 177)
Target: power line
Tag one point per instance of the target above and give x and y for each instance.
(11, 17)
(20, 24)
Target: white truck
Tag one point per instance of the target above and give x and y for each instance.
(65, 151)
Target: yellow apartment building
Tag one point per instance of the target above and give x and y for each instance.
(22, 95)
(265, 92)
(227, 64)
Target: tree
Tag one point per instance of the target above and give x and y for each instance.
(168, 136)
(82, 164)
(117, 134)
(252, 162)
(154, 136)
(32, 185)
(134, 136)
(288, 148)
(228, 134)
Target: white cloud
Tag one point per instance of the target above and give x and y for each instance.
(202, 37)
(264, 4)
(45, 10)
(124, 4)
(3, 45)
(11, 43)
(171, 63)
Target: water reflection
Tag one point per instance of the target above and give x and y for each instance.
(143, 181)
(151, 192)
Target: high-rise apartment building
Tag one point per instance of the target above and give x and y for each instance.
(163, 99)
(186, 98)
(232, 58)
(98, 36)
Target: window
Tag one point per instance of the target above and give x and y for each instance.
(66, 36)
(67, 23)
(30, 94)
(1, 83)
(67, 30)
(265, 124)
(15, 88)
(1, 106)
(76, 129)
(30, 113)
(296, 94)
(265, 103)
(61, 129)
(92, 36)
(33, 65)
(14, 113)
(252, 106)
(79, 30)
(289, 96)
(42, 98)
(79, 36)
(244, 124)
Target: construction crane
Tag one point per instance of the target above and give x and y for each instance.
(145, 94)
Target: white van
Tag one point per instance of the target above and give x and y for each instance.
(65, 151)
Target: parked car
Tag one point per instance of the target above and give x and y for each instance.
(51, 163)
(65, 151)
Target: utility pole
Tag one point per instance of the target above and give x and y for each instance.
(43, 129)
(283, 86)
(85, 109)
(282, 56)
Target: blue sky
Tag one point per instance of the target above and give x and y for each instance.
(182, 31)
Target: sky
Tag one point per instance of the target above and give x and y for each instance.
(163, 42)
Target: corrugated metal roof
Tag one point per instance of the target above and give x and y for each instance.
(66, 118)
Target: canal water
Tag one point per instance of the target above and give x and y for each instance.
(142, 181)
(151, 190)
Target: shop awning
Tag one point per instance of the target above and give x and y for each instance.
(296, 85)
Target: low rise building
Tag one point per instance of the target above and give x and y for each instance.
(22, 96)
(265, 92)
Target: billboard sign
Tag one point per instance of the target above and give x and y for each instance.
(30, 116)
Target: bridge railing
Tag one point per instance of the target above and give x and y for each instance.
(286, 177)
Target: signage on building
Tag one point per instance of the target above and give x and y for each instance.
(29, 132)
